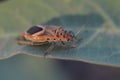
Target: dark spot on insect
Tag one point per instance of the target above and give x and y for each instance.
(54, 39)
(34, 29)
(55, 31)
(48, 39)
(68, 39)
(60, 33)
(57, 36)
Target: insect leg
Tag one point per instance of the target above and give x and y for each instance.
(29, 43)
(50, 48)
(64, 44)
(20, 42)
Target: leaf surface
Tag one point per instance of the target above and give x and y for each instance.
(99, 31)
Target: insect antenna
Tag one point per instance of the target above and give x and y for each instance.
(77, 33)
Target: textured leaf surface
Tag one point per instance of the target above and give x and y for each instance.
(98, 25)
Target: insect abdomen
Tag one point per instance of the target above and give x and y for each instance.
(54, 39)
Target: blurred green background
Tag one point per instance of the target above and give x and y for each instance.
(17, 15)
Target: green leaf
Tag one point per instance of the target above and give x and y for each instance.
(99, 31)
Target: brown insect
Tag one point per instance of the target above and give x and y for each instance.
(43, 34)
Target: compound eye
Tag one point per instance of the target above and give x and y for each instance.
(34, 29)
(71, 33)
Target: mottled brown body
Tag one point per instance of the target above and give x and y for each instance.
(40, 34)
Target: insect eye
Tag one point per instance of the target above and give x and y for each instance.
(71, 33)
(34, 29)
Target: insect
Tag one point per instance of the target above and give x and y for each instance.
(43, 34)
